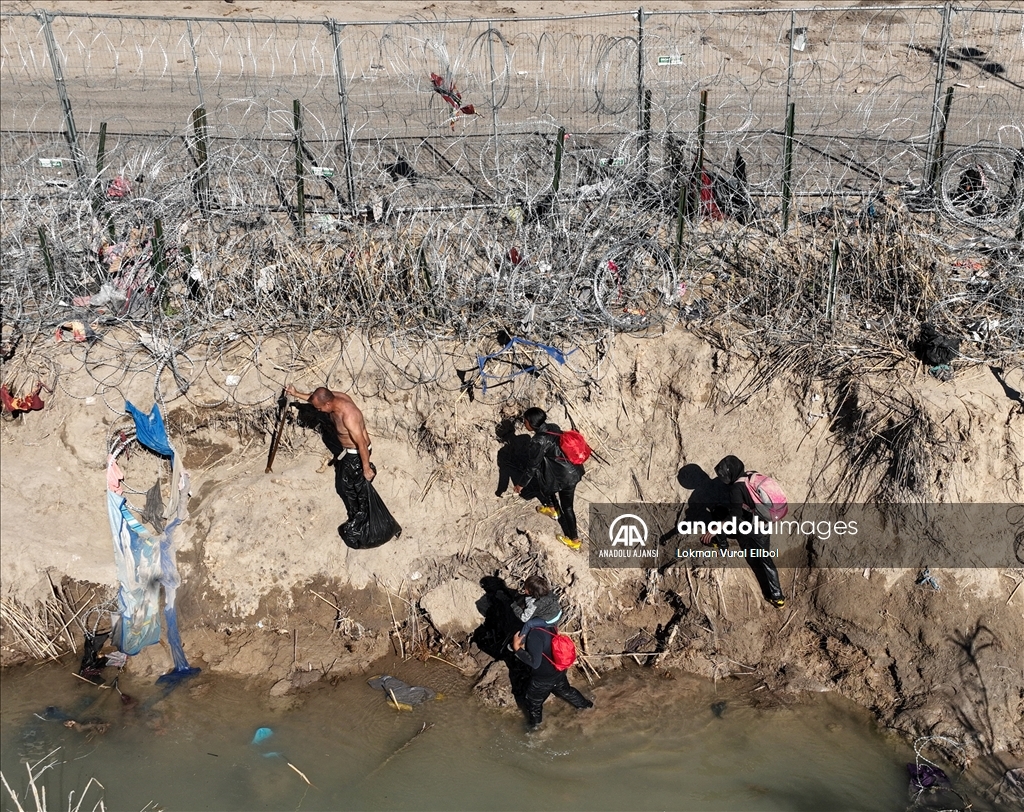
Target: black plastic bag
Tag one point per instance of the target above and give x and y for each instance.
(370, 528)
(93, 662)
(934, 348)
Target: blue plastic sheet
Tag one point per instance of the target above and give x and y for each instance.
(145, 561)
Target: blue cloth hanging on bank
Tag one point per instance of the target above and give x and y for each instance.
(150, 430)
(556, 354)
(146, 561)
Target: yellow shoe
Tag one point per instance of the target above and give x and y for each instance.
(572, 544)
(548, 511)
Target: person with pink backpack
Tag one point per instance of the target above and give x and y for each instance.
(754, 499)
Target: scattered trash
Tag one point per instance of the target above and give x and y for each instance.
(447, 90)
(79, 332)
(556, 354)
(980, 330)
(697, 310)
(944, 372)
(927, 579)
(595, 191)
(28, 403)
(262, 734)
(924, 776)
(401, 693)
(93, 662)
(934, 348)
(108, 295)
(119, 188)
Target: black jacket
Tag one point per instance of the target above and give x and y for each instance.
(536, 653)
(547, 467)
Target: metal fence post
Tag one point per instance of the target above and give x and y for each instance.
(202, 184)
(47, 257)
(70, 131)
(339, 74)
(640, 70)
(934, 170)
(559, 146)
(645, 135)
(698, 164)
(940, 78)
(195, 64)
(300, 182)
(787, 166)
(494, 111)
(789, 66)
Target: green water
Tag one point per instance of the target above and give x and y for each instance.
(651, 743)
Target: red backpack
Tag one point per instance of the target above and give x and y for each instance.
(563, 650)
(574, 446)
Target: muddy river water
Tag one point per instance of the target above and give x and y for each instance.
(651, 743)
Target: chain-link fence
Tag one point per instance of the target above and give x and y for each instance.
(528, 176)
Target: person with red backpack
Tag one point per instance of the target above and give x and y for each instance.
(549, 654)
(551, 475)
(749, 497)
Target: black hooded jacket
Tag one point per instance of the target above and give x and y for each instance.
(741, 506)
(547, 467)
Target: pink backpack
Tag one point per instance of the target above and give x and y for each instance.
(769, 499)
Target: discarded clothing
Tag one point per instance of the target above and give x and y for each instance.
(145, 561)
(29, 403)
(934, 348)
(927, 579)
(79, 331)
(925, 776)
(119, 188)
(400, 691)
(93, 662)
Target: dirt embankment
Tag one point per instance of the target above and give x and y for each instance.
(269, 590)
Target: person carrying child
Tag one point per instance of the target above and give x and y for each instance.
(539, 607)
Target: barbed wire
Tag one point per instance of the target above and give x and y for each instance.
(465, 182)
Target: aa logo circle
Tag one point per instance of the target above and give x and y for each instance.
(628, 530)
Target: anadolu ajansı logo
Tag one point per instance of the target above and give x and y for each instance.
(627, 537)
(628, 530)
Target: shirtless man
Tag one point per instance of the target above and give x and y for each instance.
(347, 421)
(350, 428)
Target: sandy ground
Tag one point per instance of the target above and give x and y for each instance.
(261, 551)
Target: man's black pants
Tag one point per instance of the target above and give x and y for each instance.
(563, 502)
(541, 687)
(764, 568)
(351, 486)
